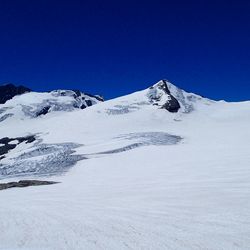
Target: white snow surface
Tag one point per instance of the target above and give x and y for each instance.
(193, 194)
(31, 104)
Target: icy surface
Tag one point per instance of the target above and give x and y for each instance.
(33, 104)
(40, 159)
(189, 195)
(125, 108)
(144, 139)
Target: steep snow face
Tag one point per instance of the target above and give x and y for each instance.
(33, 104)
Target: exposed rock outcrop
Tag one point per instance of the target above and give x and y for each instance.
(25, 183)
(7, 144)
(8, 91)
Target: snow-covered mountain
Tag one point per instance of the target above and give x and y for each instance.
(21, 102)
(157, 169)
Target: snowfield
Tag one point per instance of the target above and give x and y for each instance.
(141, 177)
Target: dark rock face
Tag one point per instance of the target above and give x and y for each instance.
(77, 92)
(172, 105)
(43, 111)
(8, 91)
(99, 98)
(25, 183)
(89, 103)
(7, 146)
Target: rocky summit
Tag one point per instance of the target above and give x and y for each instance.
(8, 91)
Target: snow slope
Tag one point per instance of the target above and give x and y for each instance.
(147, 178)
(35, 104)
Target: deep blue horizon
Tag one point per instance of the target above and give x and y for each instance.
(113, 48)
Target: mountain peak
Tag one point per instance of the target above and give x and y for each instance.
(167, 86)
(170, 97)
(8, 91)
(159, 94)
(163, 84)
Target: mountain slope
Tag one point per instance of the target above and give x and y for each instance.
(142, 177)
(22, 103)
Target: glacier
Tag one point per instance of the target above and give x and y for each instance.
(141, 176)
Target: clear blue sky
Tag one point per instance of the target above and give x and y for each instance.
(116, 47)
